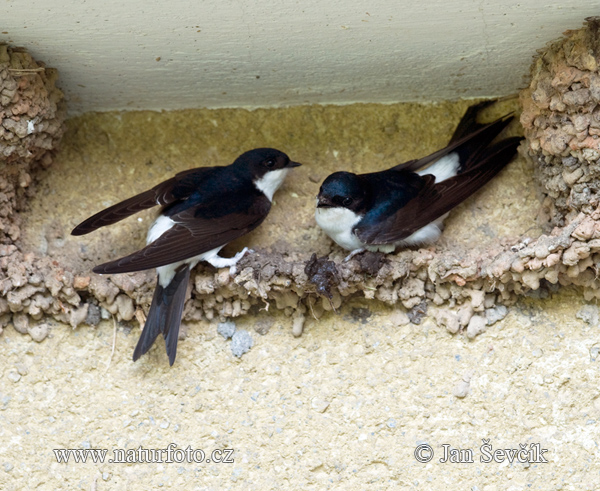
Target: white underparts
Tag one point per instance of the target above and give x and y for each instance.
(428, 234)
(270, 182)
(444, 168)
(338, 223)
(425, 235)
(167, 273)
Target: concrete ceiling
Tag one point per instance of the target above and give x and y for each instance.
(145, 54)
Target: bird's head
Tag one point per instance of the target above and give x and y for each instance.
(342, 190)
(268, 168)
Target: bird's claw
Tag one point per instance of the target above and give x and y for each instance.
(236, 259)
(353, 253)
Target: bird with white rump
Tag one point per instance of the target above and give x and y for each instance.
(203, 209)
(406, 205)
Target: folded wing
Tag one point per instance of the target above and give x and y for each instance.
(191, 235)
(436, 199)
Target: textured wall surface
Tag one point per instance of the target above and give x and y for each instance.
(344, 402)
(345, 405)
(181, 54)
(342, 407)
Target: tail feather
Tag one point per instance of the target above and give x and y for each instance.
(174, 313)
(469, 141)
(468, 123)
(472, 149)
(165, 315)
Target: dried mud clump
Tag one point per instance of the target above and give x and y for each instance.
(31, 108)
(323, 274)
(31, 126)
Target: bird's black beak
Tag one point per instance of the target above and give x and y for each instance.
(323, 202)
(293, 164)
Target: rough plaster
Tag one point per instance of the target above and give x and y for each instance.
(345, 404)
(181, 54)
(342, 406)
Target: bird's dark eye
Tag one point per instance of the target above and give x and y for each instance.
(347, 202)
(269, 163)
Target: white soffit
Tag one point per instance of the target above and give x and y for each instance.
(142, 54)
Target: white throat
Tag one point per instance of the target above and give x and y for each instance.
(339, 223)
(270, 182)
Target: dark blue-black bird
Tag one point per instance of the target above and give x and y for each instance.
(407, 204)
(203, 209)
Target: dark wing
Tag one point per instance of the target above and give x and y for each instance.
(469, 146)
(436, 199)
(192, 235)
(182, 184)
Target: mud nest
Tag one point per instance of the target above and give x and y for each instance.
(561, 120)
(32, 114)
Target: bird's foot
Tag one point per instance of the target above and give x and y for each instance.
(224, 262)
(236, 258)
(353, 253)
